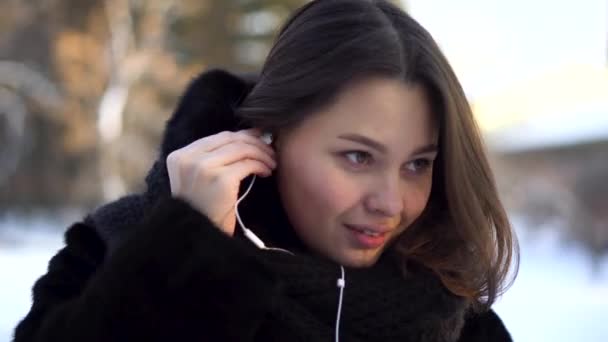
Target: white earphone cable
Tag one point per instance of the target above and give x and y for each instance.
(341, 282)
(259, 242)
(248, 233)
(341, 285)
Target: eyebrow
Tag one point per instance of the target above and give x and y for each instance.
(430, 148)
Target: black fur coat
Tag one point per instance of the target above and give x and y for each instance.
(149, 267)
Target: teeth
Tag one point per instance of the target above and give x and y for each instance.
(367, 232)
(370, 233)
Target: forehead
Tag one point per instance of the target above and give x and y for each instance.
(378, 107)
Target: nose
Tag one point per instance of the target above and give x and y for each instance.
(387, 199)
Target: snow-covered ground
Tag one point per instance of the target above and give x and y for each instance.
(555, 297)
(23, 258)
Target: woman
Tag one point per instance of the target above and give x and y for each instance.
(376, 202)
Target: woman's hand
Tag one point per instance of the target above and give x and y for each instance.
(208, 172)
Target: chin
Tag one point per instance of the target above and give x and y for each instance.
(359, 259)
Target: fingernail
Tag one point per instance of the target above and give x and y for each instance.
(252, 131)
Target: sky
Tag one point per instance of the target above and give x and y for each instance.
(493, 43)
(523, 63)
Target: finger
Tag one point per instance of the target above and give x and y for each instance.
(255, 133)
(246, 167)
(174, 172)
(232, 153)
(211, 143)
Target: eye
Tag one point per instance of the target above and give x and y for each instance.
(360, 157)
(419, 165)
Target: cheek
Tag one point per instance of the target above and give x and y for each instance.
(318, 192)
(328, 190)
(417, 199)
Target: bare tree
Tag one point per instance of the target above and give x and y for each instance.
(20, 85)
(130, 57)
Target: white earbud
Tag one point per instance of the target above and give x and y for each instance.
(267, 138)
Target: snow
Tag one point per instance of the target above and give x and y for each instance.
(21, 263)
(556, 296)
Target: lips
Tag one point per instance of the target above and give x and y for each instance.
(370, 228)
(367, 237)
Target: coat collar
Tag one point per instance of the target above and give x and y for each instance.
(206, 107)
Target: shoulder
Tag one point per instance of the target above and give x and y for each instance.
(484, 326)
(114, 220)
(68, 272)
(83, 252)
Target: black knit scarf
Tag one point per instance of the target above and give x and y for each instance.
(379, 303)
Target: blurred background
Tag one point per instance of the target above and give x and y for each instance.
(86, 87)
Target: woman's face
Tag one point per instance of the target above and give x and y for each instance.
(356, 174)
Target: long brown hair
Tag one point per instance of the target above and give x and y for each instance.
(463, 235)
